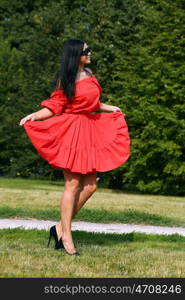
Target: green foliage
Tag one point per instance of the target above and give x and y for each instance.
(138, 58)
(154, 91)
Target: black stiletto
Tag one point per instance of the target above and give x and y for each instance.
(53, 233)
(75, 253)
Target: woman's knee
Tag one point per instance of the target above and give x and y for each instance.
(90, 188)
(73, 188)
(89, 183)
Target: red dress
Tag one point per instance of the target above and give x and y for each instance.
(77, 138)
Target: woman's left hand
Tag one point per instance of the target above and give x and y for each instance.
(115, 108)
(109, 108)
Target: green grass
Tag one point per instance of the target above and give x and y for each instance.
(39, 199)
(23, 183)
(89, 215)
(24, 254)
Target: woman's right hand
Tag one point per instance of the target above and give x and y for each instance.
(31, 117)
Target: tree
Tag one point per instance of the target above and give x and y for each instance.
(138, 59)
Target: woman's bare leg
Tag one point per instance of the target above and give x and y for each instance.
(89, 186)
(84, 192)
(72, 182)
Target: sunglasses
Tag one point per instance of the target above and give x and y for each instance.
(86, 51)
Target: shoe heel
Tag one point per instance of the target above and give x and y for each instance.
(58, 243)
(49, 240)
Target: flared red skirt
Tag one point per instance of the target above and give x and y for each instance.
(83, 142)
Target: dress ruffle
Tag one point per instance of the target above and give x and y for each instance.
(82, 142)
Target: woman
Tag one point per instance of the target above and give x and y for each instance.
(76, 139)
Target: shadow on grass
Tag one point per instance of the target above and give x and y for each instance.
(87, 238)
(125, 216)
(92, 215)
(112, 239)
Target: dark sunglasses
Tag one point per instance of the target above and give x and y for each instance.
(86, 51)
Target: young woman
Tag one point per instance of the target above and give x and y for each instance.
(72, 134)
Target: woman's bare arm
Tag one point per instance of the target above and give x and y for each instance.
(42, 114)
(108, 108)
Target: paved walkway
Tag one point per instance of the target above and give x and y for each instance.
(93, 227)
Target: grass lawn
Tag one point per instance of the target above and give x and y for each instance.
(24, 254)
(25, 198)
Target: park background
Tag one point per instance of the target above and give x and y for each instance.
(139, 59)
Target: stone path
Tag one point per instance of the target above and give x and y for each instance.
(93, 227)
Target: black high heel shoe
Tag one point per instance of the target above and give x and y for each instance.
(58, 243)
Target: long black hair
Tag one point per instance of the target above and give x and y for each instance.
(69, 66)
